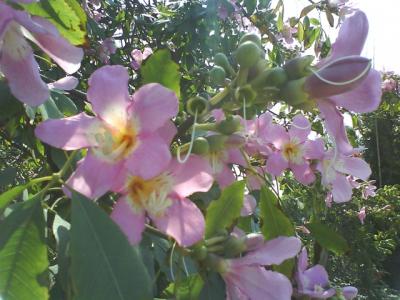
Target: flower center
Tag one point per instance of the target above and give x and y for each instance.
(151, 195)
(293, 152)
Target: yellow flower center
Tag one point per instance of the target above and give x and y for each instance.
(293, 152)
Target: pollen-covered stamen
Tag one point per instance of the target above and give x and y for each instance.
(151, 195)
(293, 152)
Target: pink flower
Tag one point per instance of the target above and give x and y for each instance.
(334, 168)
(163, 198)
(368, 190)
(139, 56)
(246, 277)
(17, 61)
(363, 95)
(256, 132)
(66, 83)
(126, 133)
(107, 48)
(362, 214)
(389, 85)
(293, 150)
(249, 205)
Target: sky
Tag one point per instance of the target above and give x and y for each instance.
(383, 43)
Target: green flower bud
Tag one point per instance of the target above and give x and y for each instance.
(252, 38)
(217, 75)
(216, 142)
(247, 54)
(293, 93)
(221, 60)
(245, 92)
(200, 146)
(234, 246)
(228, 126)
(275, 77)
(198, 104)
(296, 68)
(199, 252)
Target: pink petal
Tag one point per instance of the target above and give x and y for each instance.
(235, 156)
(225, 177)
(147, 52)
(315, 275)
(273, 252)
(69, 133)
(276, 164)
(257, 283)
(66, 83)
(183, 221)
(167, 132)
(341, 189)
(351, 38)
(218, 114)
(108, 93)
(303, 173)
(314, 149)
(153, 106)
(151, 157)
(57, 47)
(335, 125)
(300, 128)
(366, 97)
(354, 166)
(249, 205)
(6, 16)
(264, 122)
(302, 261)
(93, 176)
(277, 135)
(193, 176)
(21, 70)
(349, 292)
(131, 223)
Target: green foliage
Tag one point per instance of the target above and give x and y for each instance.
(328, 238)
(98, 245)
(23, 254)
(161, 69)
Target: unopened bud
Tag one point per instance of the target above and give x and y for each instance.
(197, 104)
(200, 146)
(275, 77)
(245, 92)
(217, 75)
(252, 38)
(221, 60)
(234, 246)
(298, 67)
(247, 54)
(216, 142)
(199, 252)
(228, 126)
(338, 77)
(293, 93)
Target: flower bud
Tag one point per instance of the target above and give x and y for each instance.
(275, 77)
(247, 54)
(198, 104)
(221, 60)
(252, 38)
(199, 252)
(338, 77)
(228, 126)
(296, 68)
(254, 241)
(200, 146)
(293, 93)
(217, 75)
(216, 142)
(234, 246)
(245, 92)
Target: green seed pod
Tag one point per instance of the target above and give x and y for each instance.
(247, 54)
(252, 38)
(275, 77)
(221, 60)
(198, 104)
(296, 68)
(199, 252)
(216, 142)
(245, 92)
(234, 246)
(293, 93)
(228, 126)
(200, 146)
(217, 75)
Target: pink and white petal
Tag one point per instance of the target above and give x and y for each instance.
(254, 182)
(351, 38)
(235, 156)
(150, 158)
(132, 223)
(147, 52)
(66, 83)
(218, 114)
(315, 276)
(264, 122)
(366, 97)
(273, 252)
(300, 128)
(22, 71)
(108, 93)
(193, 176)
(276, 164)
(167, 132)
(249, 205)
(335, 125)
(314, 149)
(71, 133)
(257, 283)
(303, 173)
(67, 56)
(354, 166)
(277, 135)
(93, 176)
(341, 189)
(225, 177)
(153, 106)
(183, 221)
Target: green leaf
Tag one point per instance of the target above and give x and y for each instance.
(49, 110)
(300, 32)
(23, 254)
(64, 104)
(275, 222)
(307, 9)
(160, 68)
(213, 288)
(7, 176)
(279, 22)
(9, 105)
(187, 289)
(103, 263)
(250, 6)
(10, 195)
(67, 15)
(222, 212)
(330, 18)
(328, 238)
